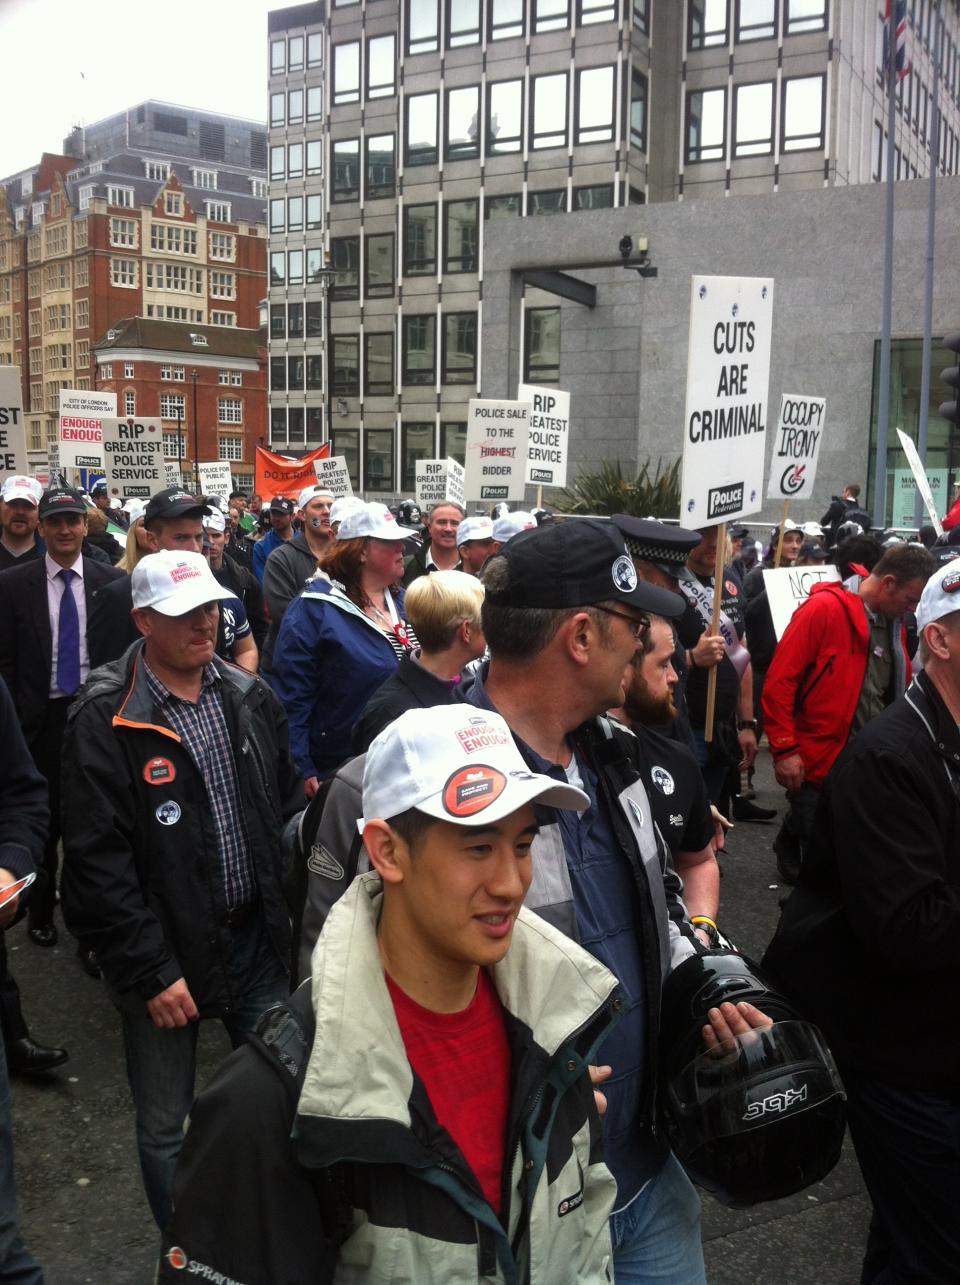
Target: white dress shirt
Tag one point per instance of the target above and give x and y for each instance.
(55, 589)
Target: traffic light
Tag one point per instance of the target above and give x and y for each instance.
(951, 410)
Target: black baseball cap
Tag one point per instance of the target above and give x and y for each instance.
(280, 504)
(815, 551)
(174, 502)
(655, 541)
(99, 487)
(576, 563)
(61, 499)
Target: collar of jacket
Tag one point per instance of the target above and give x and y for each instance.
(927, 703)
(322, 589)
(358, 1068)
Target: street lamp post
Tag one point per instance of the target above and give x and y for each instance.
(196, 438)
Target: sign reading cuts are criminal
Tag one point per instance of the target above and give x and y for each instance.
(728, 370)
(496, 450)
(549, 442)
(796, 447)
(13, 447)
(133, 457)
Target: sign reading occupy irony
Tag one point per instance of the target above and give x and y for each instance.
(82, 414)
(728, 370)
(797, 447)
(496, 451)
(133, 457)
(13, 447)
(439, 481)
(549, 443)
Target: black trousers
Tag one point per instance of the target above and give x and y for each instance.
(12, 1025)
(45, 749)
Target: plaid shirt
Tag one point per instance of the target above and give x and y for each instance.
(203, 729)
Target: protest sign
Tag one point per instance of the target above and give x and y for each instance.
(788, 587)
(496, 450)
(82, 414)
(333, 474)
(796, 447)
(920, 476)
(133, 457)
(439, 481)
(549, 442)
(172, 474)
(13, 446)
(216, 479)
(728, 370)
(281, 475)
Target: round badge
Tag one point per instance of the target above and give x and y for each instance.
(662, 780)
(472, 789)
(168, 813)
(731, 588)
(624, 574)
(159, 771)
(176, 1257)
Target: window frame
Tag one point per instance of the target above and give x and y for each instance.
(460, 151)
(819, 146)
(340, 195)
(379, 291)
(385, 482)
(382, 388)
(802, 31)
(540, 374)
(705, 43)
(339, 97)
(738, 27)
(511, 30)
(610, 125)
(408, 462)
(688, 154)
(387, 89)
(379, 191)
(337, 387)
(551, 135)
(512, 143)
(427, 44)
(457, 265)
(458, 375)
(752, 143)
(464, 36)
(421, 155)
(337, 245)
(422, 271)
(411, 376)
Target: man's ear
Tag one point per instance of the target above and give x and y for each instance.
(578, 637)
(387, 851)
(152, 541)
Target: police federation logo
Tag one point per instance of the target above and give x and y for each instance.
(168, 813)
(624, 574)
(662, 780)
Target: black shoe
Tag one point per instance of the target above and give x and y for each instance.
(43, 934)
(744, 810)
(788, 858)
(88, 962)
(27, 1057)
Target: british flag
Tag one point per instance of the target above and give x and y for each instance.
(902, 65)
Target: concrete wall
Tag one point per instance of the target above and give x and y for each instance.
(625, 361)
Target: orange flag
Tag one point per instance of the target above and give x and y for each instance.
(278, 475)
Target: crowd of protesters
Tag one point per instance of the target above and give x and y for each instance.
(316, 740)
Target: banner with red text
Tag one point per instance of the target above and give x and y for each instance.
(279, 475)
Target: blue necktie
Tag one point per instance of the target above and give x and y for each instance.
(68, 639)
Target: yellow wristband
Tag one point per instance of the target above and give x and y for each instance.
(704, 919)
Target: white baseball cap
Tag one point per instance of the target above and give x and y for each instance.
(941, 595)
(478, 527)
(812, 528)
(372, 522)
(175, 583)
(19, 487)
(458, 764)
(512, 523)
(310, 493)
(134, 508)
(346, 504)
(214, 520)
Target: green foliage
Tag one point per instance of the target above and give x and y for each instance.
(607, 491)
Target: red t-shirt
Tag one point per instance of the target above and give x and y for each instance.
(463, 1060)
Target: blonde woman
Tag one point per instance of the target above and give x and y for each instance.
(137, 545)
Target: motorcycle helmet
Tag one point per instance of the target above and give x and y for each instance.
(408, 513)
(757, 1120)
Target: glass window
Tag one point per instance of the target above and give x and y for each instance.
(416, 444)
(295, 320)
(277, 214)
(314, 321)
(378, 374)
(346, 169)
(314, 372)
(346, 442)
(753, 120)
(591, 11)
(295, 60)
(598, 196)
(463, 23)
(808, 15)
(802, 114)
(378, 459)
(278, 374)
(295, 267)
(346, 365)
(453, 442)
(277, 162)
(315, 266)
(756, 19)
(641, 16)
(461, 236)
(314, 213)
(381, 166)
(314, 418)
(295, 160)
(551, 15)
(707, 23)
(419, 348)
(541, 357)
(504, 116)
(382, 66)
(706, 124)
(551, 202)
(595, 105)
(506, 18)
(295, 214)
(421, 135)
(638, 110)
(315, 103)
(295, 107)
(423, 26)
(278, 321)
(315, 157)
(278, 57)
(346, 73)
(463, 123)
(278, 268)
(277, 108)
(419, 240)
(549, 111)
(315, 49)
(345, 254)
(459, 357)
(502, 207)
(379, 267)
(295, 425)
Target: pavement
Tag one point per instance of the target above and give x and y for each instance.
(82, 1209)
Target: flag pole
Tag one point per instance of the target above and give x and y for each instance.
(719, 564)
(883, 409)
(777, 557)
(918, 509)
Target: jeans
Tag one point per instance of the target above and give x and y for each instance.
(17, 1267)
(713, 769)
(162, 1062)
(657, 1237)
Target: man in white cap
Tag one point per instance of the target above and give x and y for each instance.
(870, 931)
(475, 542)
(19, 499)
(177, 782)
(291, 564)
(341, 507)
(508, 524)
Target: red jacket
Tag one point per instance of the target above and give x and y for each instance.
(953, 515)
(813, 684)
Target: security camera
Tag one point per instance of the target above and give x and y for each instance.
(626, 247)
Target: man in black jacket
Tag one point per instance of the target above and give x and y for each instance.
(292, 563)
(867, 945)
(232, 575)
(177, 784)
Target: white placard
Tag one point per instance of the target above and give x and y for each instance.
(549, 444)
(133, 457)
(916, 465)
(333, 473)
(439, 482)
(82, 414)
(788, 587)
(796, 447)
(216, 479)
(496, 452)
(13, 445)
(172, 475)
(728, 370)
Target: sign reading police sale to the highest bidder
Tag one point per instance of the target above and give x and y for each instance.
(796, 447)
(728, 370)
(496, 449)
(133, 457)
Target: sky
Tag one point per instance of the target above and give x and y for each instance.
(67, 62)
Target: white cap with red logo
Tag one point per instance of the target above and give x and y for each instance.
(175, 583)
(19, 487)
(374, 522)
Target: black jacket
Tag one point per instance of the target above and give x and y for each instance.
(245, 586)
(867, 943)
(149, 897)
(24, 815)
(26, 645)
(410, 687)
(287, 570)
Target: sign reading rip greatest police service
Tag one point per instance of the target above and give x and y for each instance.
(496, 451)
(728, 369)
(549, 444)
(439, 481)
(334, 474)
(796, 448)
(81, 426)
(13, 447)
(133, 457)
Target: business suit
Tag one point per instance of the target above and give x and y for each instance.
(26, 660)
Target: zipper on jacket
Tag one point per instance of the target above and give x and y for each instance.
(827, 668)
(248, 746)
